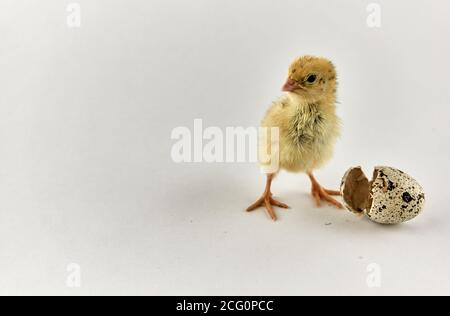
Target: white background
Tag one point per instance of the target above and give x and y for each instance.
(86, 175)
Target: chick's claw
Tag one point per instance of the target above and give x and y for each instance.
(267, 201)
(332, 192)
(277, 203)
(320, 194)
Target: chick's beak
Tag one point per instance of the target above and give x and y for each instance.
(290, 86)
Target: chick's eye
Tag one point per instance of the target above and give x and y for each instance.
(311, 78)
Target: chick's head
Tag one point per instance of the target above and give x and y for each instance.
(312, 78)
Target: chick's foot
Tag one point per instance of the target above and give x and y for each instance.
(267, 201)
(321, 194)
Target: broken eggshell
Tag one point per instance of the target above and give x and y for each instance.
(392, 197)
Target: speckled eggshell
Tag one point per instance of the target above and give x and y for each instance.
(396, 197)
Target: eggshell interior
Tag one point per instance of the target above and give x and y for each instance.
(356, 190)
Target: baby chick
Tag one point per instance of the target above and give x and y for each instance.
(308, 126)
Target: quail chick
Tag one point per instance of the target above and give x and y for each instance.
(308, 127)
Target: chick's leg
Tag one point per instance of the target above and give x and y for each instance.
(266, 200)
(319, 193)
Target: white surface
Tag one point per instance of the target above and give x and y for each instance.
(85, 169)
